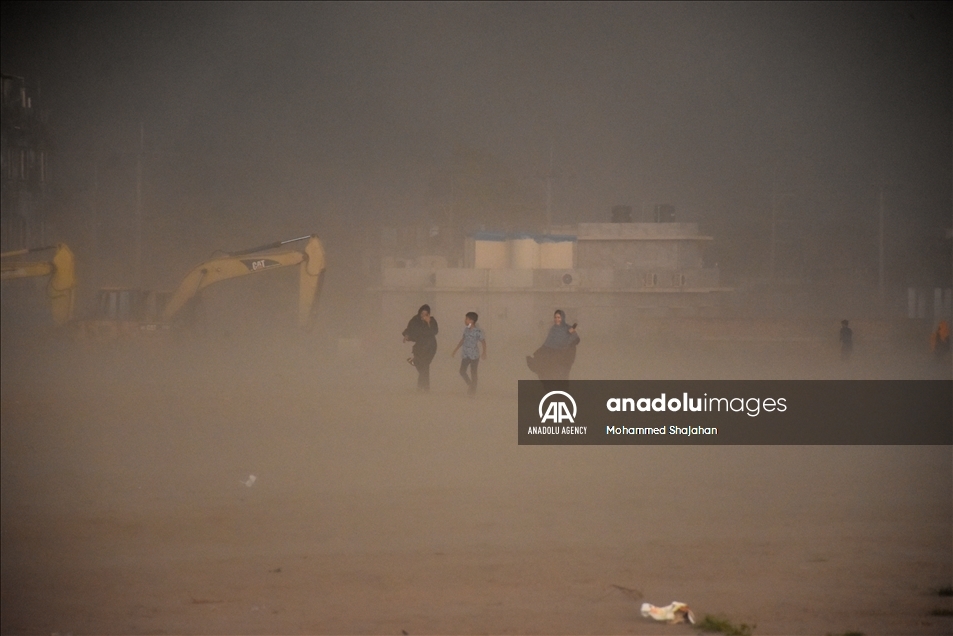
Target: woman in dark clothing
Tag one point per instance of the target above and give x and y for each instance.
(422, 331)
(554, 359)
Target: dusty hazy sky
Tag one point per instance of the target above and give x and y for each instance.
(353, 108)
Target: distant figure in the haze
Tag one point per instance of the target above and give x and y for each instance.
(940, 342)
(554, 359)
(472, 338)
(422, 331)
(846, 340)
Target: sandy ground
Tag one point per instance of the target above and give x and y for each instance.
(380, 511)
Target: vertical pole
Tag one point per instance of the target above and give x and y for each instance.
(139, 205)
(95, 223)
(549, 190)
(451, 231)
(880, 257)
(774, 234)
(774, 221)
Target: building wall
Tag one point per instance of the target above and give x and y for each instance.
(623, 272)
(24, 167)
(648, 254)
(665, 246)
(521, 316)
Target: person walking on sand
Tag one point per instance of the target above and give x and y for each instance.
(422, 331)
(471, 354)
(846, 340)
(555, 358)
(940, 342)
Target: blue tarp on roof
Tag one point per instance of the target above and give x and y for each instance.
(539, 238)
(489, 236)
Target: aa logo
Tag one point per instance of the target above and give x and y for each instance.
(554, 408)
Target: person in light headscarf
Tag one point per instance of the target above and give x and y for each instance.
(554, 359)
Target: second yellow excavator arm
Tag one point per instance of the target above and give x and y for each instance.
(61, 269)
(259, 259)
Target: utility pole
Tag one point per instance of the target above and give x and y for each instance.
(142, 135)
(774, 234)
(774, 222)
(880, 257)
(450, 207)
(95, 223)
(549, 190)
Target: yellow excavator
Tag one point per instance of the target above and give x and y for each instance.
(126, 312)
(61, 269)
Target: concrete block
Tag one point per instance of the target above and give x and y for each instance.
(408, 277)
(510, 278)
(556, 279)
(596, 278)
(629, 231)
(462, 277)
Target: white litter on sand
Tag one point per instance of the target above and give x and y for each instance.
(674, 612)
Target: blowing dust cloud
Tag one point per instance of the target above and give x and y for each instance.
(272, 275)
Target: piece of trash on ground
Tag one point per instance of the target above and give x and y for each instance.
(674, 612)
(250, 481)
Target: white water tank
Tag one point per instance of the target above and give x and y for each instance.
(556, 252)
(490, 251)
(524, 252)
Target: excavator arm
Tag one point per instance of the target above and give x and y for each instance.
(61, 269)
(310, 261)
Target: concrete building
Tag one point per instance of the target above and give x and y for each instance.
(24, 167)
(606, 276)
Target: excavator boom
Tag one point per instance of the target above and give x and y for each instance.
(310, 261)
(61, 269)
